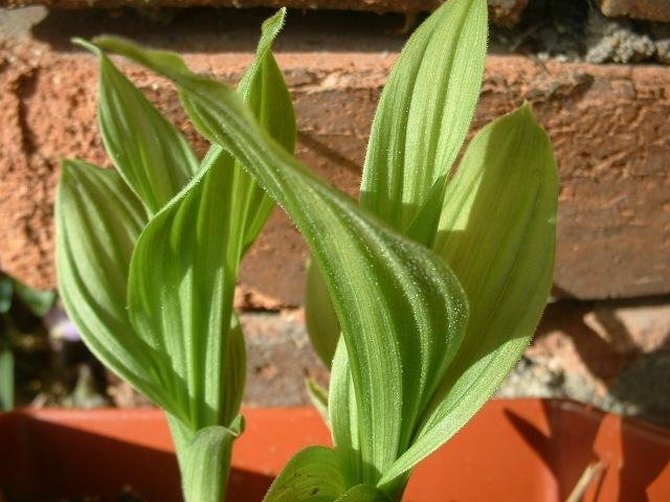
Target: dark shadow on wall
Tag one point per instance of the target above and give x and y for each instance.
(640, 382)
(206, 30)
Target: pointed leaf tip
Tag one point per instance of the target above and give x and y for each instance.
(86, 45)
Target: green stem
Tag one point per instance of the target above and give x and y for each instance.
(204, 473)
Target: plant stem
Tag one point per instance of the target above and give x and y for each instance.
(204, 477)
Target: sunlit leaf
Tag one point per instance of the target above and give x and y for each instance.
(401, 309)
(423, 116)
(498, 233)
(425, 111)
(185, 265)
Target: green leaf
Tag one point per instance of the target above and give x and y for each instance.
(185, 265)
(418, 132)
(401, 309)
(498, 233)
(98, 220)
(38, 301)
(419, 127)
(6, 293)
(208, 458)
(151, 155)
(234, 371)
(181, 287)
(343, 413)
(6, 379)
(313, 474)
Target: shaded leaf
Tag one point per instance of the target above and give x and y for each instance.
(6, 293)
(320, 318)
(98, 220)
(318, 396)
(364, 493)
(38, 301)
(6, 379)
(147, 150)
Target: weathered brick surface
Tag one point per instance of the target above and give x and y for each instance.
(608, 124)
(654, 10)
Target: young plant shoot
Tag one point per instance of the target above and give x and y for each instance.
(425, 294)
(148, 258)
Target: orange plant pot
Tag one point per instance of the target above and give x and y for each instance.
(514, 450)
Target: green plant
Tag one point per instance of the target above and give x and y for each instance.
(35, 303)
(148, 256)
(437, 279)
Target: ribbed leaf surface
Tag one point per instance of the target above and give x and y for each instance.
(498, 233)
(208, 459)
(421, 121)
(98, 221)
(401, 309)
(185, 265)
(151, 155)
(425, 111)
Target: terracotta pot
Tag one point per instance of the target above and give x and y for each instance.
(517, 450)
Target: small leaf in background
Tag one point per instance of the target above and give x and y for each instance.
(318, 396)
(320, 318)
(6, 379)
(6, 293)
(38, 301)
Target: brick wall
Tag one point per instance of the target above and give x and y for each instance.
(608, 124)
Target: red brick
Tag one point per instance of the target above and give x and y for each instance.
(608, 124)
(654, 10)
